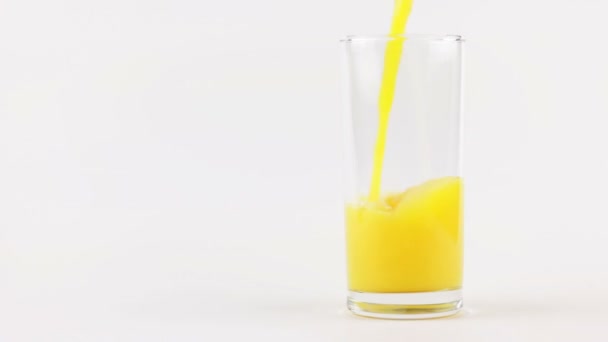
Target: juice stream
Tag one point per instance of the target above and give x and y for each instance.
(387, 90)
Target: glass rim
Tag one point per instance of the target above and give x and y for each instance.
(450, 38)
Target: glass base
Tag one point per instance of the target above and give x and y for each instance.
(412, 305)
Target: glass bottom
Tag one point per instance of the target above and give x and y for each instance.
(412, 305)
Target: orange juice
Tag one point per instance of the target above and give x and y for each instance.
(407, 242)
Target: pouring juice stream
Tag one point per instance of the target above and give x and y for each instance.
(387, 90)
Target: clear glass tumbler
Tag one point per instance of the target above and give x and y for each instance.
(404, 195)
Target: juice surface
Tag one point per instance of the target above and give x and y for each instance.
(407, 242)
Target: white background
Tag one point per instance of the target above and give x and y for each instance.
(170, 170)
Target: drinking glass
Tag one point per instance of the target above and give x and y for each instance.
(404, 244)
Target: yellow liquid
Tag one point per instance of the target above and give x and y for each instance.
(407, 242)
(411, 241)
(387, 89)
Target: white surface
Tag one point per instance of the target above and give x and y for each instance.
(171, 172)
